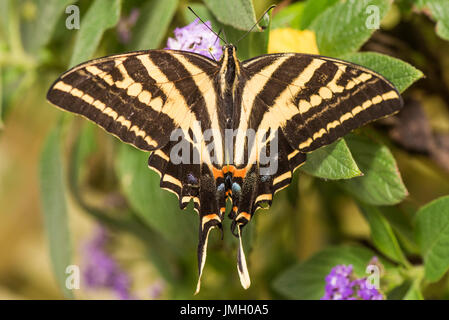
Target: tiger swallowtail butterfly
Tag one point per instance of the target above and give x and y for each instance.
(302, 101)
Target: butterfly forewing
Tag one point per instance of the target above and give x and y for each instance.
(140, 97)
(316, 100)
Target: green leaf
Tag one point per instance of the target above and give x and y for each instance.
(332, 162)
(38, 31)
(407, 290)
(84, 147)
(432, 234)
(400, 73)
(414, 292)
(102, 15)
(382, 234)
(440, 12)
(5, 15)
(402, 224)
(54, 208)
(306, 281)
(343, 28)
(236, 13)
(202, 11)
(313, 8)
(153, 23)
(289, 16)
(1, 100)
(381, 183)
(158, 208)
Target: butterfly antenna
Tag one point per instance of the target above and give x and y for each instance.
(224, 35)
(219, 31)
(266, 11)
(207, 25)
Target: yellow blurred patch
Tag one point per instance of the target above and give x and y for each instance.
(292, 40)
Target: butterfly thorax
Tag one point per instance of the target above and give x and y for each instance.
(228, 78)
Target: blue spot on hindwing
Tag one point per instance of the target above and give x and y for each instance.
(236, 189)
(191, 179)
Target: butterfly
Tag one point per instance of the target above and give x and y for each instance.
(168, 101)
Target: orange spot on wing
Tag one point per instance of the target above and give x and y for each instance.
(239, 173)
(209, 217)
(217, 173)
(245, 215)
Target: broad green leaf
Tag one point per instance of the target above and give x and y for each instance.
(432, 234)
(440, 12)
(344, 27)
(400, 73)
(306, 281)
(202, 11)
(402, 224)
(332, 162)
(382, 234)
(102, 15)
(237, 13)
(381, 183)
(414, 292)
(290, 16)
(38, 31)
(54, 208)
(312, 9)
(153, 23)
(398, 292)
(159, 208)
(407, 290)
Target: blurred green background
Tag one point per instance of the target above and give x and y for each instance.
(106, 182)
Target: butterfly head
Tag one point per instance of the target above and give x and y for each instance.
(229, 50)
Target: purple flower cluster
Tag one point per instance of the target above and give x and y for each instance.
(338, 283)
(101, 270)
(341, 284)
(196, 37)
(365, 292)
